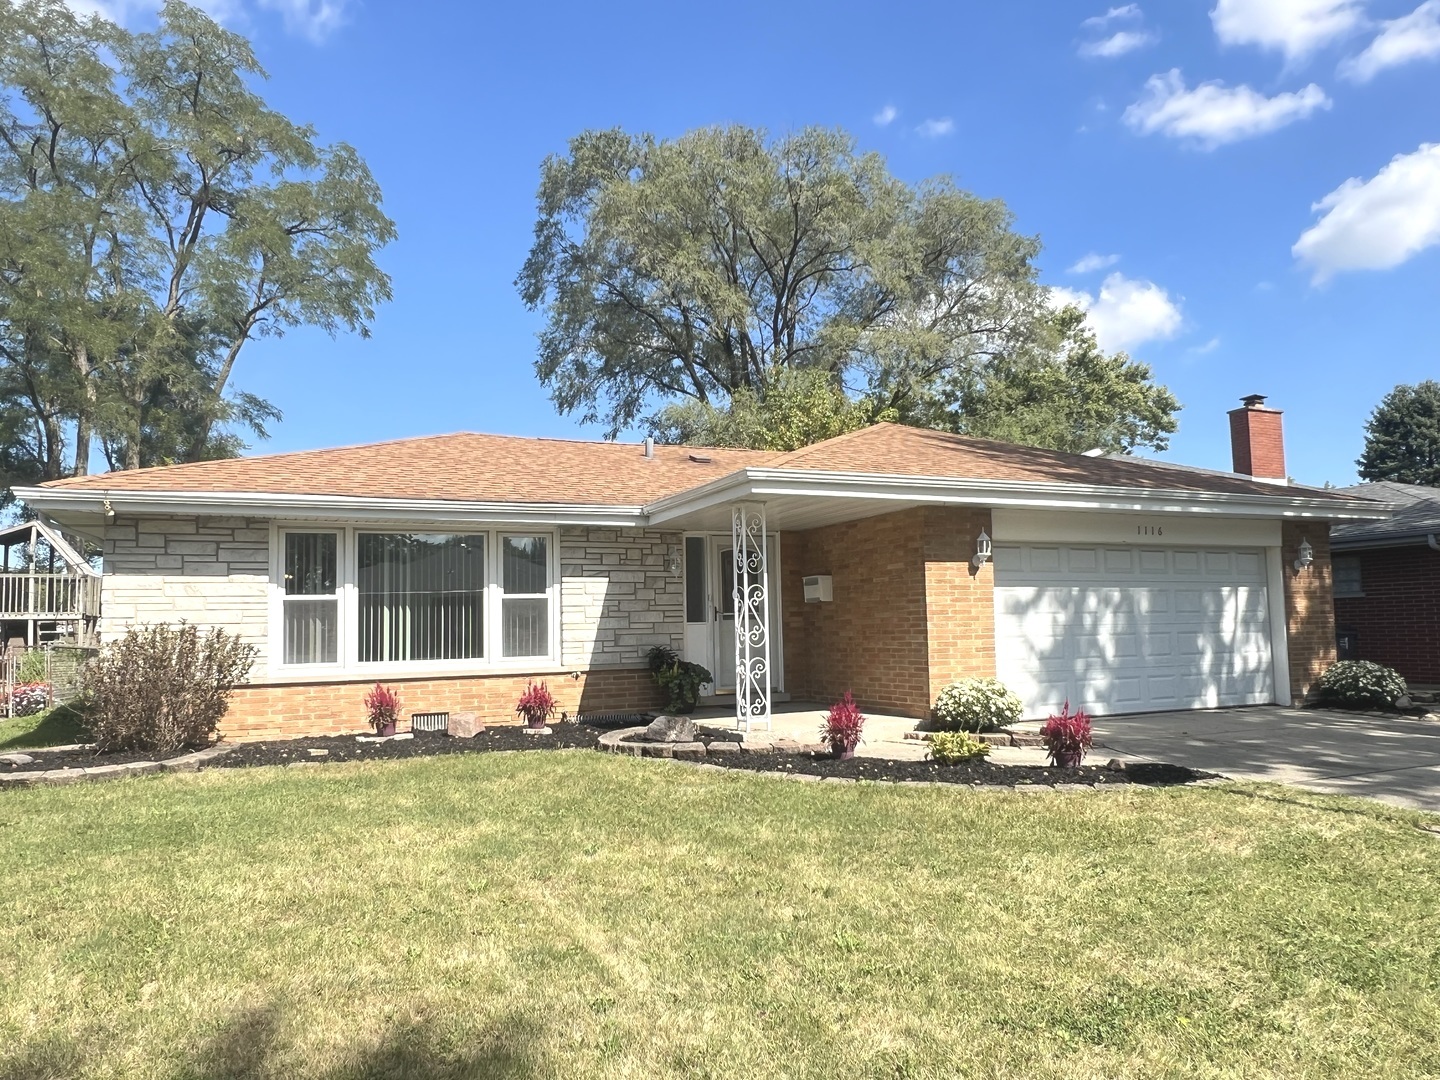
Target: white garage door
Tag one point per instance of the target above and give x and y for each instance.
(1123, 629)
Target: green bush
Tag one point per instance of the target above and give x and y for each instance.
(953, 747)
(976, 705)
(1361, 684)
(162, 689)
(31, 667)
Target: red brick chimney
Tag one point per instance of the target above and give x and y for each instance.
(1257, 441)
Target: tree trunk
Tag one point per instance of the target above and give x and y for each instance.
(85, 422)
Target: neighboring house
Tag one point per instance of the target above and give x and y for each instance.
(1387, 582)
(457, 567)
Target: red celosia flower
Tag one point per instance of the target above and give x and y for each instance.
(1067, 735)
(383, 705)
(536, 704)
(842, 726)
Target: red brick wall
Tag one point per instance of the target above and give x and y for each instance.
(1398, 618)
(1257, 442)
(909, 613)
(1309, 604)
(328, 708)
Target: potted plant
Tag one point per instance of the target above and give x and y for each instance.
(1067, 737)
(383, 706)
(536, 705)
(680, 679)
(842, 727)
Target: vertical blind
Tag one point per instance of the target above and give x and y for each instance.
(421, 596)
(311, 607)
(525, 606)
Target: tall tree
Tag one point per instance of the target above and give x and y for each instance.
(1064, 393)
(155, 216)
(1402, 436)
(709, 265)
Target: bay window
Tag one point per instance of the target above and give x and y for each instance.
(357, 598)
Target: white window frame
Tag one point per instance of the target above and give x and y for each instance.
(279, 596)
(349, 603)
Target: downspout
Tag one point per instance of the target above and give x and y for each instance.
(1434, 543)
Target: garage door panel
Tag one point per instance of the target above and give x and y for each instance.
(1133, 629)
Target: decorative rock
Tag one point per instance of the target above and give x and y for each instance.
(671, 729)
(1403, 702)
(1116, 764)
(318, 751)
(465, 725)
(15, 759)
(724, 746)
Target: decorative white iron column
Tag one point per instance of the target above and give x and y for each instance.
(752, 616)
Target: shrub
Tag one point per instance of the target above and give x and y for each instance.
(842, 725)
(976, 705)
(953, 747)
(163, 689)
(382, 707)
(31, 668)
(536, 705)
(680, 679)
(1067, 736)
(1361, 684)
(28, 698)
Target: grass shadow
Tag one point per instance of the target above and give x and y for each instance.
(60, 726)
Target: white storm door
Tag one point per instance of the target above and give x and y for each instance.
(722, 613)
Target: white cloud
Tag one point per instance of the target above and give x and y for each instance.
(314, 19)
(1411, 37)
(1295, 27)
(933, 129)
(1208, 347)
(1117, 44)
(886, 115)
(1089, 263)
(1128, 11)
(1213, 114)
(1127, 312)
(1377, 223)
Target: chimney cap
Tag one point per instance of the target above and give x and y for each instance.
(1253, 401)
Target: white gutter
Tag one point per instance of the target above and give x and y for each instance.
(747, 483)
(322, 507)
(761, 482)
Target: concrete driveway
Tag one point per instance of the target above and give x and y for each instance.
(1394, 760)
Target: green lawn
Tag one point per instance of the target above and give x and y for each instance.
(577, 915)
(53, 727)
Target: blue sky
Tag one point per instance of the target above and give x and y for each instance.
(1253, 181)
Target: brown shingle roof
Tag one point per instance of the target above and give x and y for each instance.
(501, 468)
(461, 467)
(909, 451)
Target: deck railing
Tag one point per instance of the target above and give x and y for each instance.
(49, 596)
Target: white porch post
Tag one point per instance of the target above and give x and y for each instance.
(752, 616)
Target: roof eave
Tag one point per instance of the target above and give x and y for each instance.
(324, 507)
(758, 482)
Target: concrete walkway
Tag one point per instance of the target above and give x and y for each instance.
(1387, 758)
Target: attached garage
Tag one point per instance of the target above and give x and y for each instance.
(1129, 628)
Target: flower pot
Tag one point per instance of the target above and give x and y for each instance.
(1069, 760)
(535, 723)
(841, 754)
(386, 730)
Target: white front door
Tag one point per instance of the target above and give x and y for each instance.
(1126, 629)
(722, 606)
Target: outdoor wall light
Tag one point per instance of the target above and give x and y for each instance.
(1307, 556)
(982, 550)
(674, 563)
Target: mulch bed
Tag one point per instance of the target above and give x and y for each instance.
(569, 734)
(975, 772)
(424, 744)
(78, 759)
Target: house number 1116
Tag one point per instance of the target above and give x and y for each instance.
(1149, 530)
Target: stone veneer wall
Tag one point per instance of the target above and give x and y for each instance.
(208, 571)
(617, 596)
